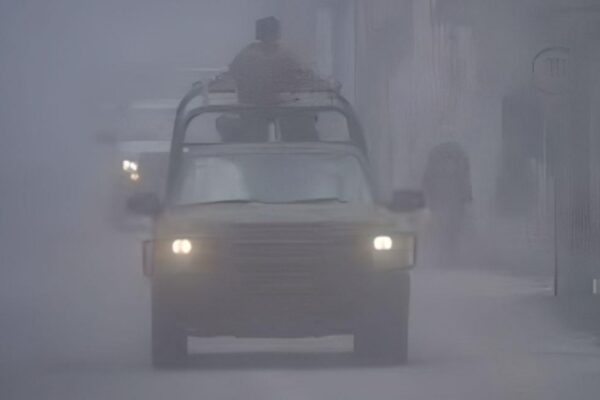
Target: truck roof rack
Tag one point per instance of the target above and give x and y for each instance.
(220, 94)
(307, 83)
(222, 90)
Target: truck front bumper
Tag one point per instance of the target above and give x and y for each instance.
(230, 305)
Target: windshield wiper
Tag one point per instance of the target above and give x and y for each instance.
(230, 202)
(307, 201)
(321, 200)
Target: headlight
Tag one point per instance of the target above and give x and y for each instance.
(182, 247)
(134, 176)
(383, 243)
(130, 166)
(397, 251)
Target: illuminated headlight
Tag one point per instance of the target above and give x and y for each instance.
(182, 247)
(134, 176)
(383, 243)
(130, 166)
(397, 251)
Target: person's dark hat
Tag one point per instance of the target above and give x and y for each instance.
(268, 29)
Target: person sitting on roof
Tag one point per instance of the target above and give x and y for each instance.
(265, 68)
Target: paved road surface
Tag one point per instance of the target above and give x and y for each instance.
(474, 336)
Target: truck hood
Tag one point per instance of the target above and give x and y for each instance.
(196, 219)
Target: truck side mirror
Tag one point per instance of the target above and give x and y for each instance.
(407, 200)
(145, 204)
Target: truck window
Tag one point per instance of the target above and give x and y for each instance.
(272, 179)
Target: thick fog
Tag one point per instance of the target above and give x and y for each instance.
(504, 296)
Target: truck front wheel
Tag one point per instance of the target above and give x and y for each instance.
(169, 340)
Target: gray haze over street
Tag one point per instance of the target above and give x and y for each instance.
(75, 306)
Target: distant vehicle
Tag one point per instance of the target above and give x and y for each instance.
(270, 228)
(141, 156)
(140, 166)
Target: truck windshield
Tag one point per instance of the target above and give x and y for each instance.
(272, 179)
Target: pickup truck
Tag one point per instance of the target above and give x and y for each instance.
(270, 228)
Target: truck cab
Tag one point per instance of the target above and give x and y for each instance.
(270, 227)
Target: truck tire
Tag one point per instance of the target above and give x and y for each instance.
(169, 340)
(381, 334)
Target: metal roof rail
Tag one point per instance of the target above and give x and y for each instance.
(224, 83)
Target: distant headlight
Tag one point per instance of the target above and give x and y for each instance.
(182, 247)
(383, 243)
(134, 176)
(130, 166)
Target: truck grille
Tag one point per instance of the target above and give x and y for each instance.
(292, 261)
